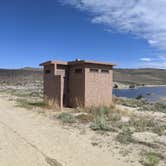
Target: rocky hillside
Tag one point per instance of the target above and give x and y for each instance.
(140, 76)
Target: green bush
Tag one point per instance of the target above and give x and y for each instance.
(100, 123)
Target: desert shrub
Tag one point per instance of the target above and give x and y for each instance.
(100, 119)
(24, 93)
(152, 159)
(30, 104)
(142, 104)
(99, 111)
(23, 104)
(85, 118)
(114, 116)
(131, 102)
(100, 116)
(155, 107)
(141, 124)
(67, 117)
(100, 123)
(159, 129)
(125, 137)
(161, 107)
(38, 94)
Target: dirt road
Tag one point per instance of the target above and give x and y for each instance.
(28, 138)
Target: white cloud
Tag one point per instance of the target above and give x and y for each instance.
(159, 62)
(146, 59)
(143, 18)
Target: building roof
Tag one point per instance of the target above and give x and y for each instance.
(53, 62)
(91, 62)
(80, 62)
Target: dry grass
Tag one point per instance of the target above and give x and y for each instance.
(125, 137)
(85, 118)
(67, 117)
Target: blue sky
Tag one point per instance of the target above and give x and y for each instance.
(34, 31)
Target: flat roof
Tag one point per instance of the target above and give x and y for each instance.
(91, 62)
(80, 62)
(53, 62)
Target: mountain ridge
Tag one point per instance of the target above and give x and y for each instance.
(147, 76)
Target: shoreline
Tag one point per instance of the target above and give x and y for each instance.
(154, 86)
(127, 86)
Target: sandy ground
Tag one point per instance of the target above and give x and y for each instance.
(28, 138)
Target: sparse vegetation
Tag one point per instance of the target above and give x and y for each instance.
(29, 105)
(141, 104)
(152, 159)
(130, 102)
(67, 117)
(100, 120)
(85, 118)
(100, 123)
(125, 137)
(142, 124)
(155, 107)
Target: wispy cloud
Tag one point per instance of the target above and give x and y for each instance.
(158, 62)
(146, 59)
(143, 18)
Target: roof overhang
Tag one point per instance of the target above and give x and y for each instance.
(91, 62)
(53, 62)
(79, 62)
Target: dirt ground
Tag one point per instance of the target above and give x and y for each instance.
(28, 138)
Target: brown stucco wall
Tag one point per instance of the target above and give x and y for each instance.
(48, 80)
(98, 86)
(76, 86)
(53, 86)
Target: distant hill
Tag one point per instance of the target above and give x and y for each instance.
(32, 69)
(140, 76)
(124, 76)
(20, 76)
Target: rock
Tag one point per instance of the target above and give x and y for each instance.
(125, 119)
(161, 140)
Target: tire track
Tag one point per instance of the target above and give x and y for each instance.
(49, 160)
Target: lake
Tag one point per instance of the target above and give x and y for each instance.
(152, 94)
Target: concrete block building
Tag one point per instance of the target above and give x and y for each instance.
(78, 83)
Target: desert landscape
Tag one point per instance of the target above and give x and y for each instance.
(124, 77)
(131, 132)
(82, 83)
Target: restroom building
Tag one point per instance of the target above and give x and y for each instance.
(78, 83)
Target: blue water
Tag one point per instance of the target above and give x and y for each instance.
(152, 94)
